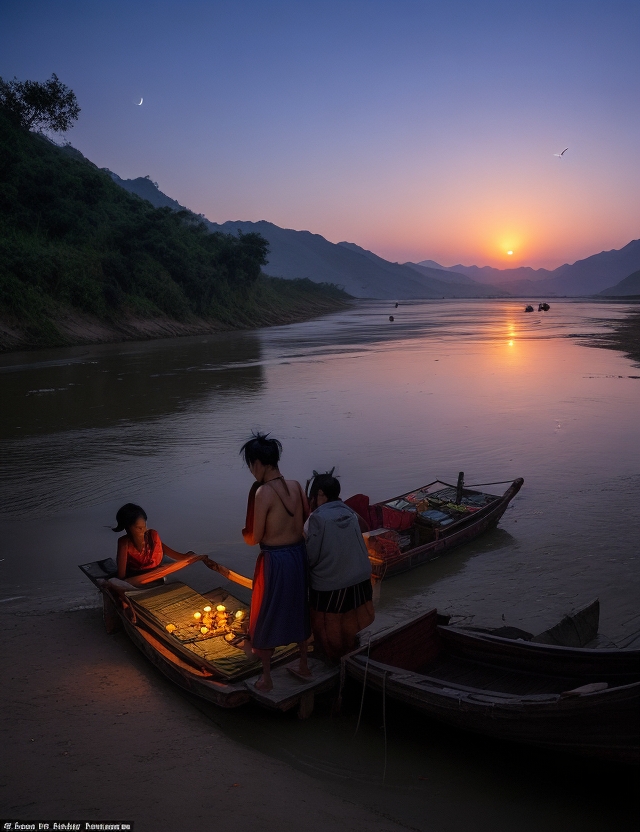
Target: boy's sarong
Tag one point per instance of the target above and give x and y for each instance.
(339, 615)
(279, 608)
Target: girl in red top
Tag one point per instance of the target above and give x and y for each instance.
(140, 550)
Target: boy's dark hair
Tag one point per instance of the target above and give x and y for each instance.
(326, 483)
(127, 516)
(261, 448)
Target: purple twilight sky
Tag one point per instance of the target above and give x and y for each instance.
(415, 129)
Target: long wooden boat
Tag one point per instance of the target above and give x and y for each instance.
(422, 525)
(579, 700)
(160, 622)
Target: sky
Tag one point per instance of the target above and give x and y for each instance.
(418, 130)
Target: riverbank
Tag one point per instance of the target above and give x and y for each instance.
(276, 302)
(91, 731)
(625, 336)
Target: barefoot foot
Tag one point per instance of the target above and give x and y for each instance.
(263, 685)
(302, 674)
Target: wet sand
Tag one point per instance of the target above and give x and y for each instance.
(625, 336)
(92, 732)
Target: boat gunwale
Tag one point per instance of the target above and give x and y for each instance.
(443, 539)
(454, 691)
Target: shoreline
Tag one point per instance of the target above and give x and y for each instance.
(81, 329)
(624, 337)
(93, 731)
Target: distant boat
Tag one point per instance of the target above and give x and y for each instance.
(573, 699)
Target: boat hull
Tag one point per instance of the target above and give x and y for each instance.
(456, 535)
(601, 723)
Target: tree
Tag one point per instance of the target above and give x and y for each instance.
(35, 106)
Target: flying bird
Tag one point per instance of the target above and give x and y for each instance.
(142, 99)
(559, 155)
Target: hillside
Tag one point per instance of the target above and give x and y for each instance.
(630, 286)
(83, 260)
(295, 254)
(361, 273)
(582, 278)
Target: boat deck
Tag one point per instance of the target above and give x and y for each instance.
(289, 691)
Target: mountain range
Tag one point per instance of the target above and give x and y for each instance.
(364, 274)
(630, 286)
(584, 277)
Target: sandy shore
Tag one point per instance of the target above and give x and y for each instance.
(91, 731)
(625, 336)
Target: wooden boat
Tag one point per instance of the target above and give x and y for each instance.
(571, 699)
(160, 622)
(421, 525)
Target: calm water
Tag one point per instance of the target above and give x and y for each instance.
(473, 386)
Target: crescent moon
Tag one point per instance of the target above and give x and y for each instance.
(140, 102)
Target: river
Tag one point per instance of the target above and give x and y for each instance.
(467, 385)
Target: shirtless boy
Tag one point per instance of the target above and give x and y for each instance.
(276, 511)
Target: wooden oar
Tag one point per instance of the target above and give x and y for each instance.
(228, 573)
(164, 569)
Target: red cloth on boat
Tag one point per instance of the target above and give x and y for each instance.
(393, 518)
(149, 558)
(378, 516)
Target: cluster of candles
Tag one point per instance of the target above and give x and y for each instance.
(210, 619)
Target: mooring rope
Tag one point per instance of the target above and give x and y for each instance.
(364, 686)
(384, 724)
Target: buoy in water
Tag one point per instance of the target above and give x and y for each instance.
(391, 318)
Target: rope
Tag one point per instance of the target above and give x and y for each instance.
(364, 686)
(384, 724)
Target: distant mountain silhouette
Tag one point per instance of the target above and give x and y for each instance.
(360, 272)
(629, 286)
(303, 254)
(447, 276)
(363, 274)
(582, 278)
(431, 264)
(144, 187)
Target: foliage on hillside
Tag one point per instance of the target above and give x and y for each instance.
(71, 238)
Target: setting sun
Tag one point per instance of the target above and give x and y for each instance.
(509, 252)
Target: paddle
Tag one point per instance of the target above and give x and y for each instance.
(164, 569)
(168, 568)
(228, 573)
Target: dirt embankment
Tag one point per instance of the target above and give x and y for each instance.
(73, 328)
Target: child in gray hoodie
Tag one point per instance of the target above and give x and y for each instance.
(340, 595)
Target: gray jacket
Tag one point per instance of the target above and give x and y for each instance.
(335, 547)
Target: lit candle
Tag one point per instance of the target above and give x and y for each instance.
(171, 628)
(239, 615)
(221, 608)
(197, 616)
(207, 609)
(204, 630)
(229, 637)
